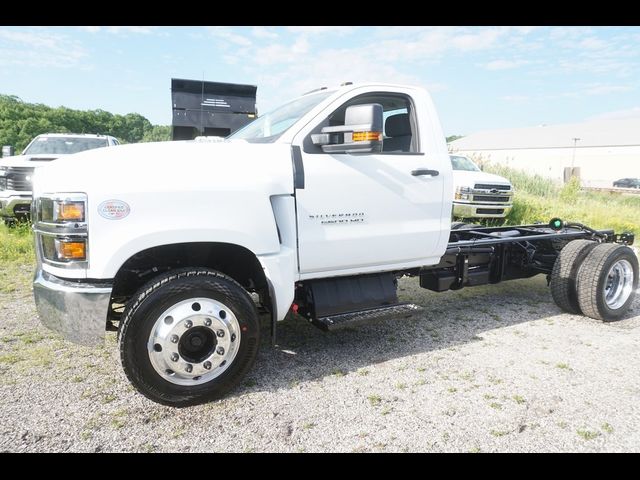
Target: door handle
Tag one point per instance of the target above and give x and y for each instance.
(423, 171)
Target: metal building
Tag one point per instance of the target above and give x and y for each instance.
(603, 151)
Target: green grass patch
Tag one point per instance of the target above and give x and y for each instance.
(588, 434)
(538, 199)
(16, 244)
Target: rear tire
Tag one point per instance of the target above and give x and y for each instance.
(565, 272)
(188, 337)
(607, 282)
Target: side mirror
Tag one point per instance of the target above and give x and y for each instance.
(361, 132)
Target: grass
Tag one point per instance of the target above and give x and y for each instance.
(16, 258)
(607, 428)
(588, 434)
(538, 199)
(374, 400)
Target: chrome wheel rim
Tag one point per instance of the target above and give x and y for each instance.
(194, 341)
(619, 284)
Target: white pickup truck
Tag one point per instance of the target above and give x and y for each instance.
(313, 211)
(16, 171)
(479, 194)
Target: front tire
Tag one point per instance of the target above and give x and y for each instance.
(188, 337)
(607, 282)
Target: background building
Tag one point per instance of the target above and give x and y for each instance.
(604, 150)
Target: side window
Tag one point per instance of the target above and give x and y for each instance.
(400, 133)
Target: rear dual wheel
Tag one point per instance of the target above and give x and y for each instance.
(598, 280)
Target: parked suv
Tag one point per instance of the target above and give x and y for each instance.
(16, 171)
(478, 194)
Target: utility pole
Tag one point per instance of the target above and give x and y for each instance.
(573, 158)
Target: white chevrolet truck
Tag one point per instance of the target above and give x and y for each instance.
(16, 172)
(313, 210)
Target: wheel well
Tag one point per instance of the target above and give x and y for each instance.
(235, 261)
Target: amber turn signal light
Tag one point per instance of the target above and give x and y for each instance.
(74, 250)
(366, 136)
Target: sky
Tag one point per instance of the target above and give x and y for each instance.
(479, 77)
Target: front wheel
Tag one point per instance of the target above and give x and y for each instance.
(188, 337)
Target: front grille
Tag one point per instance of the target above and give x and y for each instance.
(490, 198)
(488, 186)
(490, 211)
(19, 179)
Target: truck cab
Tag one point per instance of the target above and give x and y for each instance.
(312, 211)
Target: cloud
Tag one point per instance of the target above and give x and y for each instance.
(515, 98)
(225, 33)
(35, 48)
(263, 33)
(320, 30)
(606, 89)
(118, 29)
(505, 64)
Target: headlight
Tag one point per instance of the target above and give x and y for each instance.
(462, 193)
(61, 208)
(68, 211)
(61, 229)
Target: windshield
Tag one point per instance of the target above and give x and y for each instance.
(269, 127)
(463, 163)
(63, 145)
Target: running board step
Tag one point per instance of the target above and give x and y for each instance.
(334, 322)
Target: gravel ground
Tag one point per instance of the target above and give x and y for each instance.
(496, 368)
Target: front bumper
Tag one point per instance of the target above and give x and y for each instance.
(480, 210)
(15, 205)
(76, 310)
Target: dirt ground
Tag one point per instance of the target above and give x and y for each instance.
(496, 368)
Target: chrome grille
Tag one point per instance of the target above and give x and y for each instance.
(491, 198)
(19, 179)
(488, 186)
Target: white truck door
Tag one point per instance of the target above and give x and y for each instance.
(365, 212)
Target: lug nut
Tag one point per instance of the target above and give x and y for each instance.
(174, 357)
(188, 324)
(207, 365)
(233, 337)
(174, 339)
(189, 368)
(220, 333)
(220, 351)
(207, 322)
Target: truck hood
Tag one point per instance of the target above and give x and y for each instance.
(463, 178)
(29, 160)
(166, 167)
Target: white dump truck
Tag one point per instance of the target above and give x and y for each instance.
(314, 210)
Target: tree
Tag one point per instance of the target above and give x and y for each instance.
(20, 122)
(159, 133)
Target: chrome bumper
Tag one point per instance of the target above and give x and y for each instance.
(470, 210)
(8, 204)
(76, 310)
